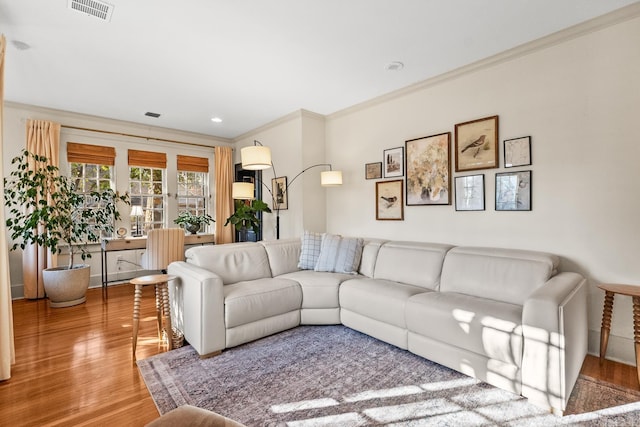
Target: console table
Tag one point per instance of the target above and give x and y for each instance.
(610, 291)
(129, 243)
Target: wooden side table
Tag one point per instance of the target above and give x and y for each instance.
(162, 306)
(610, 291)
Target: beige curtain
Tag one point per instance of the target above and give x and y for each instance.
(224, 202)
(7, 350)
(43, 138)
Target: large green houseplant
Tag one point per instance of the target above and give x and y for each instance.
(45, 210)
(245, 216)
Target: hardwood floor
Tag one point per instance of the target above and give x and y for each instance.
(74, 365)
(75, 368)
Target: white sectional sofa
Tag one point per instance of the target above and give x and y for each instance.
(505, 316)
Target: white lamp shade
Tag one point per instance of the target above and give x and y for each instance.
(331, 178)
(242, 190)
(256, 157)
(136, 210)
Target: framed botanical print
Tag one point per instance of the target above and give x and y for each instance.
(428, 170)
(469, 193)
(513, 191)
(373, 170)
(476, 144)
(517, 152)
(394, 162)
(279, 192)
(389, 201)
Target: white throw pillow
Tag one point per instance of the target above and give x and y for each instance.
(311, 243)
(340, 254)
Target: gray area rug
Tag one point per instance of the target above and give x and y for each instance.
(332, 375)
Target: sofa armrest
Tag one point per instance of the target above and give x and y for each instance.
(554, 320)
(197, 307)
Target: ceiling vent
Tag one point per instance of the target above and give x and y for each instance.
(99, 9)
(150, 114)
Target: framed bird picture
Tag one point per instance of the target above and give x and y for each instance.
(389, 201)
(428, 170)
(476, 144)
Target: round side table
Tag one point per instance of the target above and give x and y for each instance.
(163, 312)
(610, 291)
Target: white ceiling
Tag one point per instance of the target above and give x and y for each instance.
(252, 61)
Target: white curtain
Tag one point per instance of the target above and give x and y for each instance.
(7, 349)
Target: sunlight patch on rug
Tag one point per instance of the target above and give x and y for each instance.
(332, 375)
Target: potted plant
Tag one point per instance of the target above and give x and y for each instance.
(192, 223)
(245, 216)
(46, 211)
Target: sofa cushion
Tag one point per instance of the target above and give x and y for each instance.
(283, 255)
(483, 326)
(319, 289)
(413, 263)
(233, 262)
(507, 275)
(383, 300)
(339, 254)
(311, 243)
(249, 301)
(369, 256)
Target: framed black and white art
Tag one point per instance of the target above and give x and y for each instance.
(470, 193)
(513, 191)
(517, 152)
(393, 162)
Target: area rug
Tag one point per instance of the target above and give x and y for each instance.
(332, 375)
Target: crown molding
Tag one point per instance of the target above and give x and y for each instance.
(618, 16)
(298, 114)
(114, 125)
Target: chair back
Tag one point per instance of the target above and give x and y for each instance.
(164, 245)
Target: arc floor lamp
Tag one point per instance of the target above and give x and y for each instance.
(258, 157)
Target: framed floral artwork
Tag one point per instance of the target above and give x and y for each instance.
(428, 170)
(476, 144)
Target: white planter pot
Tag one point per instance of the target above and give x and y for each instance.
(66, 287)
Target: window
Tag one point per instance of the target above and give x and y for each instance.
(147, 188)
(192, 190)
(91, 169)
(192, 178)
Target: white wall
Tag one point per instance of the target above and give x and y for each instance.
(579, 100)
(296, 142)
(15, 116)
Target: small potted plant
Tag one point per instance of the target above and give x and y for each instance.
(45, 210)
(192, 223)
(245, 216)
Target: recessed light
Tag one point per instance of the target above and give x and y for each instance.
(394, 66)
(216, 120)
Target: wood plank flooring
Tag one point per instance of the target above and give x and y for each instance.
(75, 368)
(74, 365)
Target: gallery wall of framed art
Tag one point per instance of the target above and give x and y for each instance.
(426, 165)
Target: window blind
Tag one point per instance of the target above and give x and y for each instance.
(193, 164)
(93, 154)
(149, 159)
